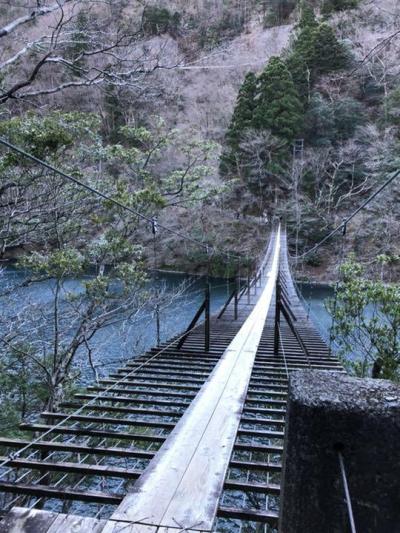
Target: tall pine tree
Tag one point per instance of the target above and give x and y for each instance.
(300, 60)
(243, 114)
(315, 51)
(279, 108)
(329, 54)
(307, 16)
(242, 119)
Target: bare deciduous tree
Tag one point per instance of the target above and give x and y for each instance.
(75, 43)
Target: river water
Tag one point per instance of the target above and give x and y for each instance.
(114, 344)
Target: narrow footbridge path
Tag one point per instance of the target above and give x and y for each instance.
(187, 437)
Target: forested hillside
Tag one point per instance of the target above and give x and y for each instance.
(212, 116)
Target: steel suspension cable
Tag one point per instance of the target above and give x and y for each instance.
(349, 218)
(105, 196)
(347, 493)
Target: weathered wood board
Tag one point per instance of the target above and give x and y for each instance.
(182, 484)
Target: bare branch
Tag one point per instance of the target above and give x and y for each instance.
(36, 13)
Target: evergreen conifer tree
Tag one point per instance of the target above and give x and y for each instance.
(243, 114)
(279, 108)
(242, 119)
(300, 60)
(329, 54)
(330, 6)
(307, 16)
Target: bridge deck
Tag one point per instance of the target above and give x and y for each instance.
(89, 465)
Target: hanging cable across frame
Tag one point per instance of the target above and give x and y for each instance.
(343, 225)
(109, 198)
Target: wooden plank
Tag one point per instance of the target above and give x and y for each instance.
(191, 465)
(78, 524)
(178, 530)
(113, 526)
(20, 520)
(132, 401)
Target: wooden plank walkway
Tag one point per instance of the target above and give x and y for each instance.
(191, 465)
(233, 462)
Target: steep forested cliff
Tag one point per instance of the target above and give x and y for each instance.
(214, 116)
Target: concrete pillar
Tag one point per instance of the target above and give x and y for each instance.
(328, 412)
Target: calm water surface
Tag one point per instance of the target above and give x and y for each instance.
(114, 344)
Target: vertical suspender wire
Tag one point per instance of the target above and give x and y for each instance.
(332, 329)
(154, 230)
(227, 273)
(237, 289)
(347, 493)
(248, 279)
(309, 301)
(207, 306)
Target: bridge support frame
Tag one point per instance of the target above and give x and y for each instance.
(204, 308)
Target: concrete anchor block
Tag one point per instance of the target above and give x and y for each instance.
(330, 412)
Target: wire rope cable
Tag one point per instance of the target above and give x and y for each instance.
(107, 197)
(350, 217)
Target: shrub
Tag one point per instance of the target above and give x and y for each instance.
(158, 20)
(392, 104)
(349, 114)
(332, 6)
(319, 122)
(278, 12)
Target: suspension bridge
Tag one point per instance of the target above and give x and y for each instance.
(187, 437)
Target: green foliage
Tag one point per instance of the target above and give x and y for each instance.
(366, 316)
(279, 108)
(392, 107)
(242, 120)
(307, 16)
(332, 6)
(349, 114)
(244, 110)
(319, 122)
(215, 32)
(314, 260)
(58, 264)
(158, 20)
(329, 54)
(329, 122)
(315, 51)
(49, 136)
(55, 212)
(278, 12)
(79, 41)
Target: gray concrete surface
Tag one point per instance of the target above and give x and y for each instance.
(361, 417)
